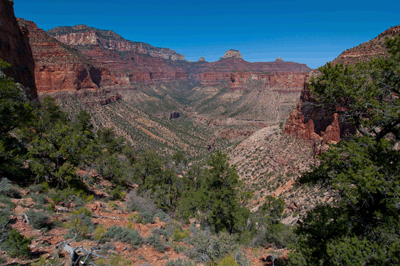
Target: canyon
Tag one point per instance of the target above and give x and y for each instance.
(134, 88)
(158, 101)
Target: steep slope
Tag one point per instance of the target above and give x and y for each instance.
(15, 49)
(363, 52)
(59, 67)
(131, 62)
(316, 126)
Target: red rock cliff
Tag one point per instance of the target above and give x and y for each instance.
(130, 62)
(315, 125)
(15, 49)
(61, 68)
(235, 72)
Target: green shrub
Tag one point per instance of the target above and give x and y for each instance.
(179, 235)
(70, 195)
(179, 262)
(178, 248)
(160, 232)
(79, 223)
(140, 204)
(39, 199)
(228, 261)
(210, 249)
(8, 190)
(124, 235)
(117, 194)
(162, 216)
(40, 188)
(156, 242)
(147, 218)
(171, 226)
(17, 245)
(4, 217)
(38, 220)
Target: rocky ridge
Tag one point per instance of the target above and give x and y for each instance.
(84, 35)
(233, 71)
(365, 51)
(15, 49)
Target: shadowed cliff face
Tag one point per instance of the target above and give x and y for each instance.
(15, 49)
(62, 68)
(315, 125)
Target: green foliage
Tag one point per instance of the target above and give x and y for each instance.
(219, 194)
(147, 218)
(360, 227)
(80, 223)
(17, 245)
(140, 204)
(124, 234)
(15, 112)
(38, 219)
(162, 216)
(228, 261)
(56, 146)
(117, 194)
(8, 190)
(156, 242)
(179, 262)
(210, 249)
(70, 195)
(180, 235)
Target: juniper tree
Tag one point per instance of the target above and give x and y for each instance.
(361, 226)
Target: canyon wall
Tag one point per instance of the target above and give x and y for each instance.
(315, 125)
(62, 68)
(15, 49)
(130, 62)
(232, 71)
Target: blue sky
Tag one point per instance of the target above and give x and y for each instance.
(311, 32)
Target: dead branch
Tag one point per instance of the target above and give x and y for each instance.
(105, 217)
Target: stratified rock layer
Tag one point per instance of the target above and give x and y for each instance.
(15, 49)
(365, 51)
(62, 68)
(235, 71)
(130, 62)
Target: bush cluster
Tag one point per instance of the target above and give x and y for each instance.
(38, 219)
(124, 235)
(156, 242)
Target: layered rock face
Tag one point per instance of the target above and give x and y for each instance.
(233, 71)
(84, 35)
(365, 51)
(62, 68)
(317, 126)
(129, 61)
(15, 49)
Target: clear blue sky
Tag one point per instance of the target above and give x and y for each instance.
(311, 32)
